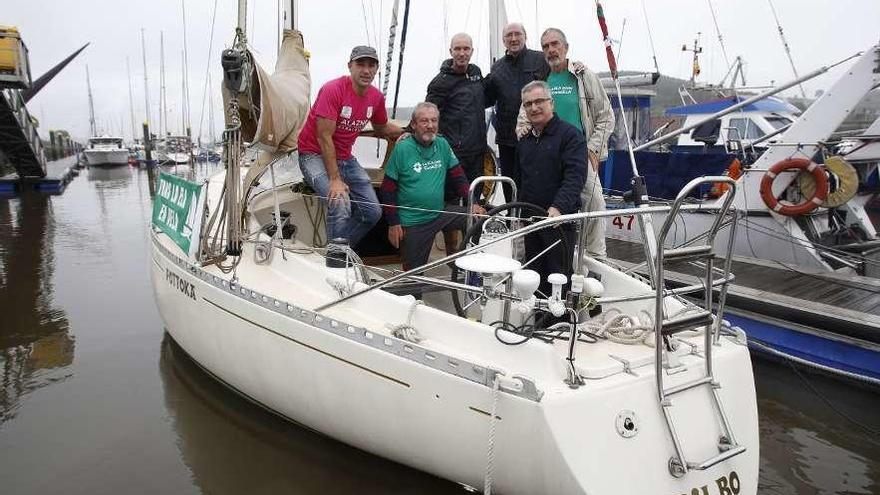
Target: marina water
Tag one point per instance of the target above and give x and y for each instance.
(97, 399)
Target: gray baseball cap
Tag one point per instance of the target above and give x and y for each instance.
(362, 51)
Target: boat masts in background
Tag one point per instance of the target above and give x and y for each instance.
(146, 80)
(400, 57)
(92, 130)
(163, 99)
(131, 101)
(187, 127)
(733, 108)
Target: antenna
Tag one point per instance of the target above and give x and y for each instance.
(696, 50)
(787, 49)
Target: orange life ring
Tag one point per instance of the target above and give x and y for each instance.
(808, 204)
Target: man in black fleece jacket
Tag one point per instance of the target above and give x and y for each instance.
(518, 67)
(458, 92)
(553, 164)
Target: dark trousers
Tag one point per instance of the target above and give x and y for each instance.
(555, 260)
(509, 168)
(418, 239)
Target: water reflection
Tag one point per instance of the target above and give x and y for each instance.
(35, 347)
(807, 447)
(215, 428)
(113, 177)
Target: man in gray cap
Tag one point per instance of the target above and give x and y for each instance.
(340, 112)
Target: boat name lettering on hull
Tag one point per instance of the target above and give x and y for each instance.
(725, 485)
(182, 285)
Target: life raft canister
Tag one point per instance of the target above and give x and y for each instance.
(734, 171)
(810, 203)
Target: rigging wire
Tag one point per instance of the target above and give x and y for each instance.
(207, 71)
(366, 22)
(787, 49)
(718, 32)
(650, 37)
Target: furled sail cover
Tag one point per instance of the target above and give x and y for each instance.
(273, 115)
(283, 98)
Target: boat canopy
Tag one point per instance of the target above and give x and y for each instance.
(770, 105)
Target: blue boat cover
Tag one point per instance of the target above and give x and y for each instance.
(769, 104)
(665, 173)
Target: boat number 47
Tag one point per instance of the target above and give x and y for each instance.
(725, 485)
(624, 222)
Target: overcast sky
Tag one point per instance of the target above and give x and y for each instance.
(819, 32)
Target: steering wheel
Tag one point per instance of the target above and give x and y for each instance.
(471, 238)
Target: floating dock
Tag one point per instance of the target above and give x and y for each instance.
(58, 174)
(826, 321)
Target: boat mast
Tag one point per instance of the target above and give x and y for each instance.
(785, 45)
(131, 102)
(392, 35)
(92, 129)
(186, 121)
(400, 57)
(146, 81)
(497, 21)
(163, 99)
(184, 129)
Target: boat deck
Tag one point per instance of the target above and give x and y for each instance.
(846, 304)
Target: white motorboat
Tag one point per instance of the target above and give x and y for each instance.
(800, 198)
(106, 151)
(310, 333)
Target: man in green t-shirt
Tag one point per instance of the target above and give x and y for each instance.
(413, 188)
(580, 100)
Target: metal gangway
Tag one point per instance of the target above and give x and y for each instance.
(19, 139)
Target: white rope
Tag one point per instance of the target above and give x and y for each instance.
(622, 328)
(407, 331)
(490, 447)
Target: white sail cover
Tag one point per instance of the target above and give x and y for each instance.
(281, 101)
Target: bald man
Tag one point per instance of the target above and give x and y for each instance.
(458, 92)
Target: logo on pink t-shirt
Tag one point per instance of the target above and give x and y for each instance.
(338, 102)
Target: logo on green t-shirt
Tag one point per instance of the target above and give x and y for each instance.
(564, 90)
(420, 173)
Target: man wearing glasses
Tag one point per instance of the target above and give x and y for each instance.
(580, 100)
(553, 168)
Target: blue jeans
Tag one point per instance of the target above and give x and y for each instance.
(354, 216)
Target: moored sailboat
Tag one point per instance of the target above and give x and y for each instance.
(316, 338)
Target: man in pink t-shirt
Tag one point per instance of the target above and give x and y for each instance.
(341, 111)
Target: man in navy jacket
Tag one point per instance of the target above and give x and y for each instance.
(553, 167)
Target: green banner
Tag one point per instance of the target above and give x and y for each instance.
(176, 210)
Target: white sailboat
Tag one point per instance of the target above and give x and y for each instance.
(623, 402)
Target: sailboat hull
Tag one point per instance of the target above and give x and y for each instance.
(403, 403)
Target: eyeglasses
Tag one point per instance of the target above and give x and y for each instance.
(536, 101)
